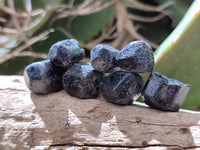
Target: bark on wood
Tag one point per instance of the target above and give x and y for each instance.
(59, 121)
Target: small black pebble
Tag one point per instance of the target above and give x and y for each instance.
(137, 56)
(66, 52)
(103, 57)
(163, 93)
(122, 87)
(82, 81)
(43, 77)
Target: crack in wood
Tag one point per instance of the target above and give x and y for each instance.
(122, 146)
(153, 124)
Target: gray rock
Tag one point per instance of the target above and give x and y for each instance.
(163, 93)
(66, 52)
(122, 87)
(82, 81)
(137, 56)
(103, 57)
(43, 77)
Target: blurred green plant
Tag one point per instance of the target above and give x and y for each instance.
(28, 28)
(179, 55)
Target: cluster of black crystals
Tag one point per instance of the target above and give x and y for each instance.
(116, 74)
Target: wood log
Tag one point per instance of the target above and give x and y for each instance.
(59, 121)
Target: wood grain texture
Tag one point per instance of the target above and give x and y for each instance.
(59, 121)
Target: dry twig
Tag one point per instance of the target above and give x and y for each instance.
(18, 51)
(16, 29)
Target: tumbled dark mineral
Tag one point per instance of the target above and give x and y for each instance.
(137, 56)
(103, 57)
(122, 87)
(163, 93)
(43, 77)
(66, 52)
(82, 81)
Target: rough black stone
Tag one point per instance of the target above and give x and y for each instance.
(66, 52)
(82, 81)
(163, 93)
(122, 87)
(137, 56)
(43, 77)
(103, 57)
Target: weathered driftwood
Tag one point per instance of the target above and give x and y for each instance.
(59, 121)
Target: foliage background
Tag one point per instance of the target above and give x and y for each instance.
(29, 27)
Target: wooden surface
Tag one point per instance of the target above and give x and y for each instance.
(59, 121)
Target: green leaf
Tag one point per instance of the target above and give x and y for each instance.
(180, 55)
(84, 28)
(19, 4)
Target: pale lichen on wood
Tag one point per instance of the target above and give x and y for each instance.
(59, 121)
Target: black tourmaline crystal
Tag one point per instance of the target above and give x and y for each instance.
(163, 93)
(103, 57)
(66, 52)
(122, 87)
(137, 56)
(43, 77)
(82, 81)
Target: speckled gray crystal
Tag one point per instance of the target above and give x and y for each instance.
(163, 93)
(82, 81)
(137, 56)
(43, 77)
(66, 52)
(122, 87)
(103, 57)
